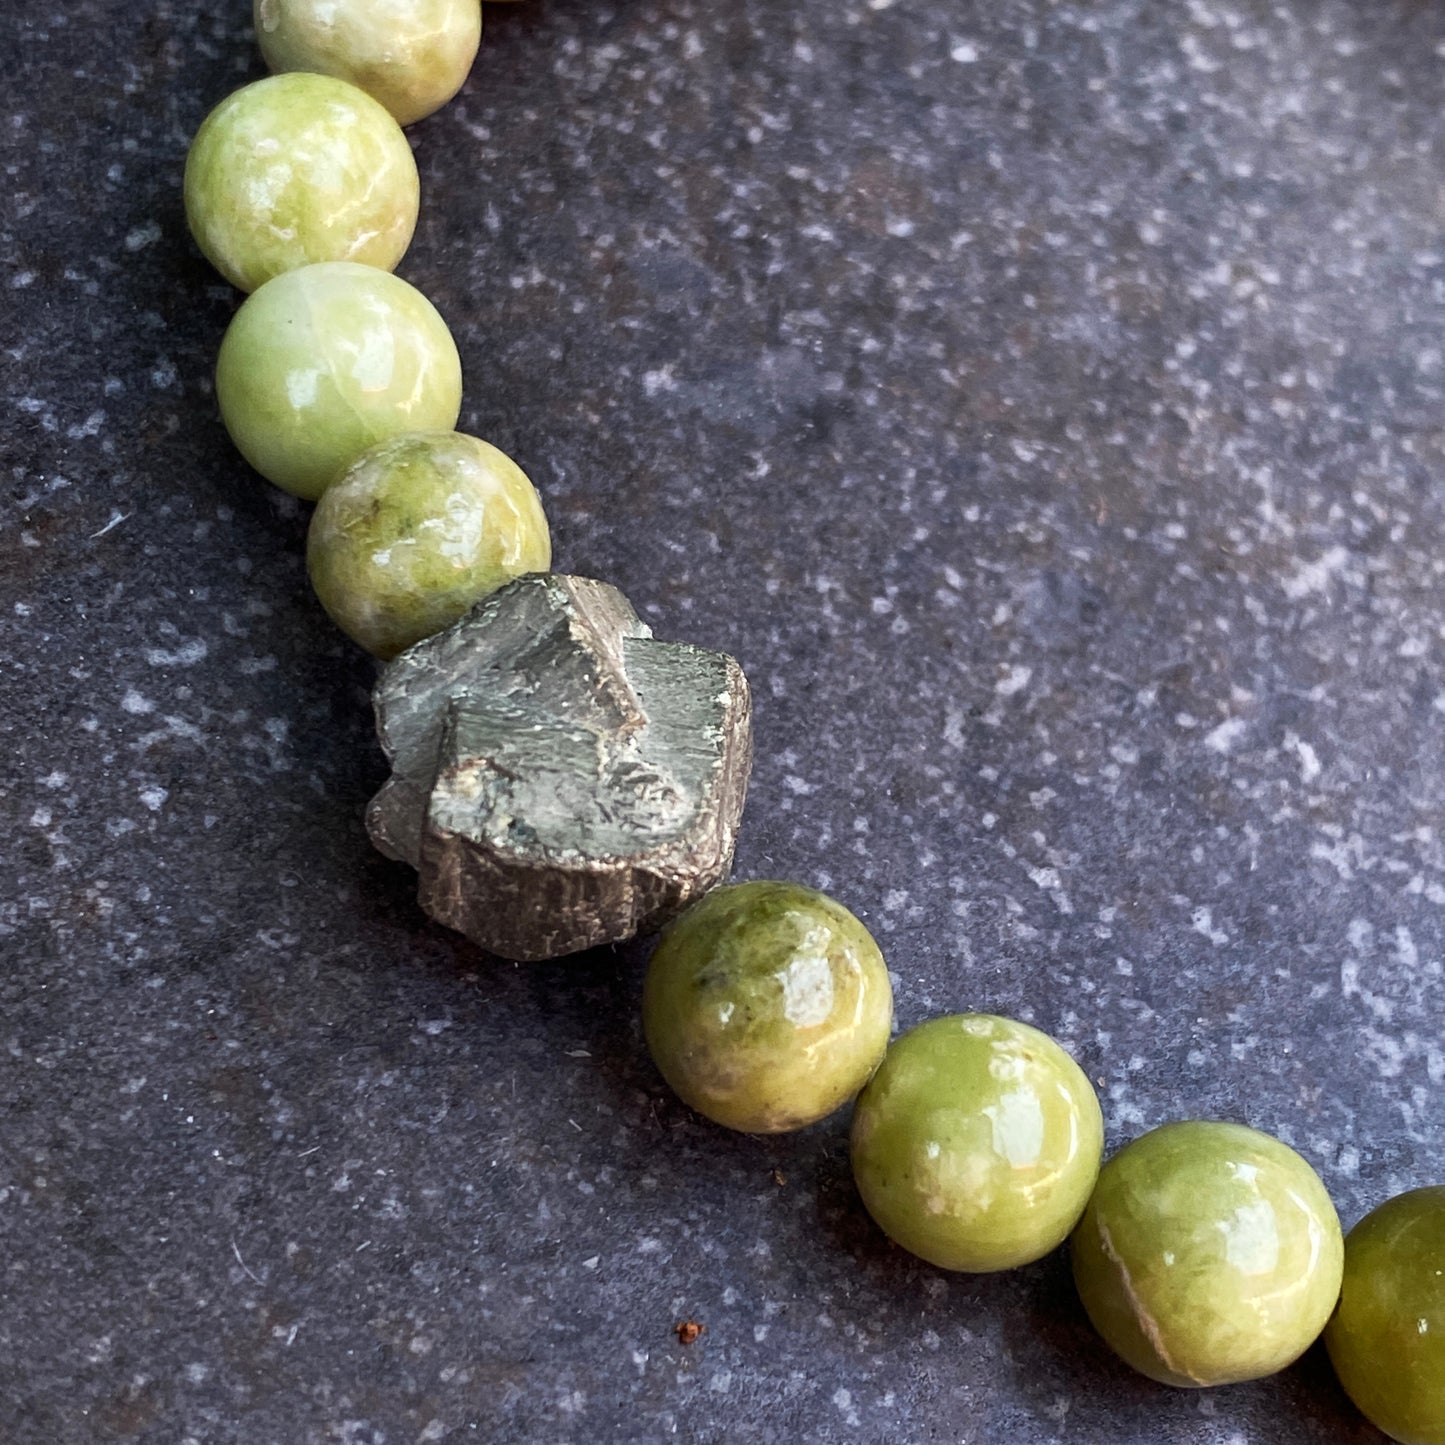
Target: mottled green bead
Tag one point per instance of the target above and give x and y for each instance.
(416, 531)
(323, 362)
(1209, 1254)
(977, 1142)
(1387, 1337)
(767, 1005)
(411, 55)
(295, 169)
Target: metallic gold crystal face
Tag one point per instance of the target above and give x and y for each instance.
(416, 531)
(977, 1142)
(1387, 1337)
(324, 362)
(410, 55)
(1209, 1254)
(297, 169)
(767, 1006)
(560, 778)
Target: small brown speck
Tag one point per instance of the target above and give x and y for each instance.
(779, 1178)
(689, 1331)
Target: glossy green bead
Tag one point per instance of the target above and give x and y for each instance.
(766, 1006)
(416, 531)
(323, 362)
(977, 1142)
(1387, 1336)
(295, 169)
(411, 55)
(1209, 1254)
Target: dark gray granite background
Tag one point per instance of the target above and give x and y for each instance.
(1042, 400)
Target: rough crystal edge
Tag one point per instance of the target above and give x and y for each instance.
(643, 893)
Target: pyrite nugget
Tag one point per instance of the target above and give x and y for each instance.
(560, 778)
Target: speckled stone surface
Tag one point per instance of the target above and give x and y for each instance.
(1042, 400)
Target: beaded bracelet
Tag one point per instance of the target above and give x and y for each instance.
(561, 779)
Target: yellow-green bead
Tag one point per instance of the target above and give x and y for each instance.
(1387, 1336)
(323, 362)
(1209, 1254)
(411, 55)
(976, 1144)
(416, 531)
(296, 169)
(767, 1005)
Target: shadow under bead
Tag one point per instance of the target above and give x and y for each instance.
(560, 778)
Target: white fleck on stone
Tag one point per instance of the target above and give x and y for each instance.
(139, 237)
(953, 730)
(1406, 954)
(965, 52)
(1202, 922)
(1386, 1053)
(1311, 577)
(154, 797)
(188, 654)
(1222, 738)
(116, 516)
(1309, 762)
(1015, 680)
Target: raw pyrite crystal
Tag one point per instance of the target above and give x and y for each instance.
(560, 779)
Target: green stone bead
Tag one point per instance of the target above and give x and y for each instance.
(1209, 1254)
(416, 531)
(766, 1006)
(411, 55)
(977, 1142)
(296, 169)
(1387, 1337)
(323, 362)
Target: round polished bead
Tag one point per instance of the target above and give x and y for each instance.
(766, 1006)
(416, 531)
(977, 1142)
(1387, 1337)
(295, 169)
(411, 55)
(323, 362)
(1209, 1254)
